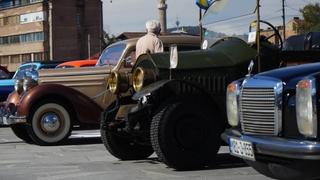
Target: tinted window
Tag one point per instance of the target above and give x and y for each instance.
(111, 55)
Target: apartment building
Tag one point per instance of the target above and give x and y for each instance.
(36, 30)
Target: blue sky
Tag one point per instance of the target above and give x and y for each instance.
(130, 15)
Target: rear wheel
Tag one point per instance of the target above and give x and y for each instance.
(185, 135)
(121, 147)
(50, 123)
(20, 131)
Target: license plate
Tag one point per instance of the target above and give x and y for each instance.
(241, 149)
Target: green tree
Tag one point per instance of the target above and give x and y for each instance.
(311, 16)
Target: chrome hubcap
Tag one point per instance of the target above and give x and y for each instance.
(50, 122)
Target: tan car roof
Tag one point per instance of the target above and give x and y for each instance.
(169, 39)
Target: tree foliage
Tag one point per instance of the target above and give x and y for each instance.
(311, 16)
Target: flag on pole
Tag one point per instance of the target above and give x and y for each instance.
(204, 4)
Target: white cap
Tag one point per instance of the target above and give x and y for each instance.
(153, 25)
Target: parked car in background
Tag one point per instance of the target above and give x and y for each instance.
(7, 85)
(4, 73)
(78, 63)
(178, 111)
(45, 110)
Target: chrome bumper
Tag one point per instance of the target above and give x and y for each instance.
(277, 146)
(6, 117)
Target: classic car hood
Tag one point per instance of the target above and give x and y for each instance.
(7, 82)
(70, 72)
(226, 53)
(74, 76)
(291, 75)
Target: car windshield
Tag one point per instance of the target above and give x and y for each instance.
(111, 55)
(22, 71)
(234, 17)
(226, 18)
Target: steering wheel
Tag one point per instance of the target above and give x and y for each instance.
(275, 33)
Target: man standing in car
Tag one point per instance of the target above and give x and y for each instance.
(150, 43)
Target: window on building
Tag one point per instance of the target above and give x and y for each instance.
(38, 56)
(14, 39)
(26, 58)
(4, 59)
(15, 59)
(23, 38)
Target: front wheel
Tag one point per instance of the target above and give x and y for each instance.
(50, 123)
(121, 147)
(186, 135)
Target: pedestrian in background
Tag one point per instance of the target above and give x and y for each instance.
(150, 43)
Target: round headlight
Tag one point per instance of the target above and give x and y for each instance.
(18, 86)
(306, 110)
(142, 77)
(137, 79)
(113, 82)
(118, 82)
(233, 92)
(29, 83)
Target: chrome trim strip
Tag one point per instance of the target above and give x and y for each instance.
(12, 120)
(277, 146)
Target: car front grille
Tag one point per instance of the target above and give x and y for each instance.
(260, 110)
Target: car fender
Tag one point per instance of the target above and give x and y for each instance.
(83, 108)
(165, 89)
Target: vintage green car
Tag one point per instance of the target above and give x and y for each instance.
(180, 112)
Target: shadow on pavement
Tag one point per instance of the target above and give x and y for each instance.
(223, 161)
(81, 141)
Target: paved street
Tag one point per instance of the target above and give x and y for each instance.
(84, 157)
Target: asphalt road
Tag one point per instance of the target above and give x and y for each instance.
(84, 157)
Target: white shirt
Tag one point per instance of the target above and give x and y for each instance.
(148, 43)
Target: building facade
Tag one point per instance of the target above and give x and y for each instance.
(37, 30)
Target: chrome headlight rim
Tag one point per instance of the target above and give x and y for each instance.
(113, 82)
(18, 86)
(232, 103)
(29, 83)
(306, 108)
(138, 79)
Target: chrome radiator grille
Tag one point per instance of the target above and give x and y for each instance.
(258, 111)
